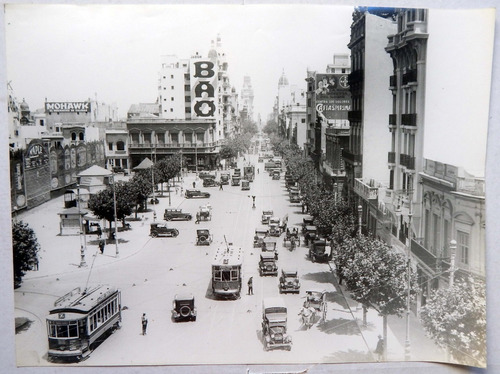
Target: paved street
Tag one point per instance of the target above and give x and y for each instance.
(150, 271)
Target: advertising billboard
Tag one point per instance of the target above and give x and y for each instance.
(204, 97)
(67, 107)
(333, 98)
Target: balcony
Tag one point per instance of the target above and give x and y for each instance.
(407, 161)
(393, 120)
(391, 159)
(423, 254)
(392, 81)
(409, 119)
(410, 77)
(354, 116)
(350, 157)
(367, 191)
(173, 147)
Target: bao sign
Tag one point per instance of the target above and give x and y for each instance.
(203, 89)
(73, 106)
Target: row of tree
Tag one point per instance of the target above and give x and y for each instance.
(380, 278)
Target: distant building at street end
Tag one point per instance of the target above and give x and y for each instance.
(247, 96)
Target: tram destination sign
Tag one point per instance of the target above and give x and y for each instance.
(68, 106)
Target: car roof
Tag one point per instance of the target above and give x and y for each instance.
(288, 271)
(267, 255)
(269, 302)
(310, 227)
(183, 296)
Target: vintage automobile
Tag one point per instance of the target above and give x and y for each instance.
(320, 251)
(203, 237)
(290, 183)
(310, 233)
(235, 180)
(237, 173)
(204, 214)
(245, 185)
(289, 281)
(205, 175)
(291, 238)
(176, 215)
(260, 233)
(196, 193)
(307, 221)
(317, 300)
(183, 308)
(224, 178)
(276, 175)
(274, 324)
(209, 182)
(261, 159)
(267, 264)
(295, 197)
(161, 229)
(266, 215)
(274, 229)
(269, 246)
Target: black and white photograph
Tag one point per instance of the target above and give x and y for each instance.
(247, 187)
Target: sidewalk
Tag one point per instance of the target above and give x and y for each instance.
(421, 347)
(61, 254)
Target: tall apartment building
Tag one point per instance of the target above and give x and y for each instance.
(366, 155)
(194, 113)
(247, 96)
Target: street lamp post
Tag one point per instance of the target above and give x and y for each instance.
(408, 298)
(114, 207)
(360, 211)
(196, 157)
(153, 182)
(453, 249)
(83, 246)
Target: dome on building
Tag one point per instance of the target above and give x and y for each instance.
(24, 106)
(283, 79)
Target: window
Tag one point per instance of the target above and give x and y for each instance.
(42, 123)
(303, 120)
(175, 138)
(171, 99)
(110, 146)
(172, 87)
(120, 146)
(171, 109)
(172, 76)
(73, 136)
(81, 136)
(463, 247)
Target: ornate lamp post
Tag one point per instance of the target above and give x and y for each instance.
(453, 249)
(83, 245)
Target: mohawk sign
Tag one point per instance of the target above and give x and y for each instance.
(75, 106)
(203, 89)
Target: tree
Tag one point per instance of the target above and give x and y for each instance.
(102, 204)
(377, 277)
(142, 187)
(25, 249)
(271, 127)
(455, 318)
(167, 168)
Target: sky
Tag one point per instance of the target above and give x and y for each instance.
(73, 52)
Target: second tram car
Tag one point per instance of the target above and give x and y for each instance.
(81, 319)
(226, 272)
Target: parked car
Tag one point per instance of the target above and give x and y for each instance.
(266, 215)
(289, 281)
(274, 324)
(206, 175)
(267, 264)
(183, 308)
(295, 197)
(320, 251)
(276, 175)
(196, 193)
(237, 172)
(176, 214)
(310, 233)
(161, 229)
(224, 178)
(203, 237)
(209, 182)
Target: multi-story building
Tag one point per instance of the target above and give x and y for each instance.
(117, 146)
(366, 154)
(295, 113)
(247, 97)
(195, 112)
(328, 104)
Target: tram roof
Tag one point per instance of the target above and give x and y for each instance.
(83, 301)
(229, 256)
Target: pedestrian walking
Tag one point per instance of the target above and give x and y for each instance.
(194, 184)
(102, 243)
(257, 170)
(220, 187)
(253, 201)
(250, 286)
(144, 321)
(380, 348)
(99, 232)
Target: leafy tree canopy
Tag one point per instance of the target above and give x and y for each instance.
(25, 248)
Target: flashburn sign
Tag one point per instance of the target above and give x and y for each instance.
(73, 106)
(203, 89)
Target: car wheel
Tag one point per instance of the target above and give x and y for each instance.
(185, 311)
(202, 239)
(168, 218)
(175, 233)
(190, 217)
(154, 234)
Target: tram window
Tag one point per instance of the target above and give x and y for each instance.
(217, 275)
(52, 330)
(234, 274)
(226, 275)
(73, 330)
(62, 331)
